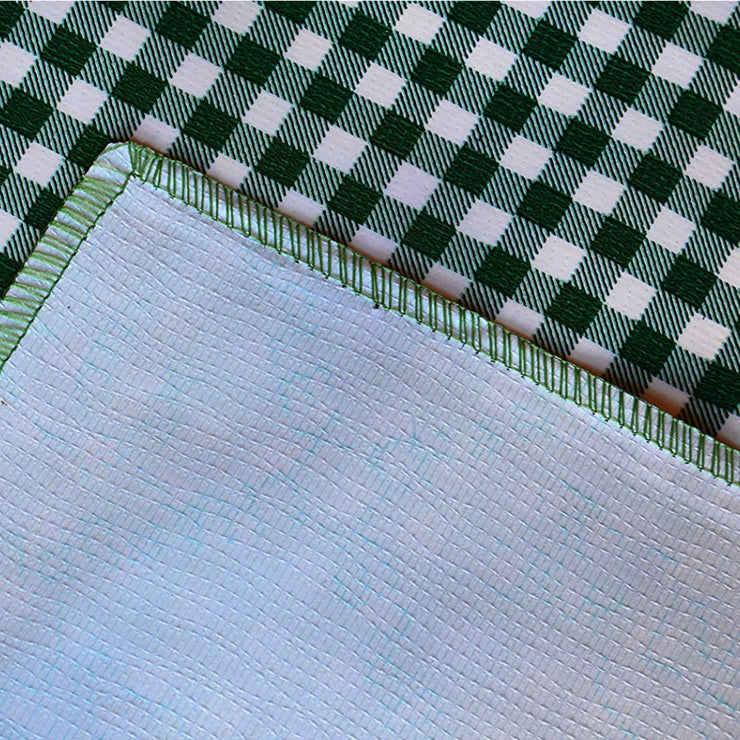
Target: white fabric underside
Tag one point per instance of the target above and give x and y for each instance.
(239, 501)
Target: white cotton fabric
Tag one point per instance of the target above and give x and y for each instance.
(239, 501)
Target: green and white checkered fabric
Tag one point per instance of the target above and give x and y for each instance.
(569, 170)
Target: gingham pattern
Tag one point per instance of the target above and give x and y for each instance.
(566, 169)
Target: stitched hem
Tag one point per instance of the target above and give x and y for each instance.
(85, 205)
(108, 178)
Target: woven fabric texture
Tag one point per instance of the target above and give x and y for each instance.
(568, 170)
(250, 504)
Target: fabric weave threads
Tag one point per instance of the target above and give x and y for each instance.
(567, 170)
(247, 504)
(108, 178)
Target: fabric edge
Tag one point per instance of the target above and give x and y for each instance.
(110, 174)
(86, 204)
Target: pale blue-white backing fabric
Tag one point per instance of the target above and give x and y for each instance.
(249, 504)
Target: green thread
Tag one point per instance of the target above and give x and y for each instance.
(104, 183)
(73, 222)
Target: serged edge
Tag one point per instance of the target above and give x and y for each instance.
(107, 179)
(85, 205)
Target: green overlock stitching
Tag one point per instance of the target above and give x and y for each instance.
(77, 216)
(94, 195)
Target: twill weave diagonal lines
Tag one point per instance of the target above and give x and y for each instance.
(569, 170)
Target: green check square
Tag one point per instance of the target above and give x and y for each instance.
(326, 98)
(24, 113)
(476, 16)
(688, 281)
(138, 87)
(436, 71)
(67, 50)
(549, 45)
(582, 142)
(210, 125)
(43, 209)
(365, 36)
(661, 18)
(88, 146)
(622, 80)
(10, 13)
(647, 348)
(573, 308)
(725, 49)
(252, 61)
(182, 24)
(510, 107)
(282, 162)
(723, 217)
(720, 386)
(396, 135)
(655, 178)
(294, 11)
(694, 114)
(9, 268)
(471, 170)
(617, 241)
(544, 205)
(502, 271)
(354, 200)
(428, 235)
